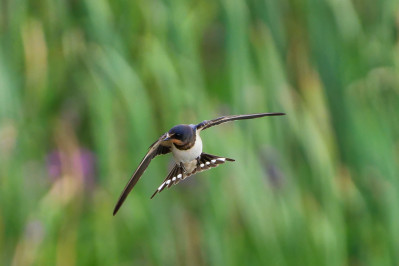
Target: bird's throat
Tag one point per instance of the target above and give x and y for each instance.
(186, 146)
(187, 153)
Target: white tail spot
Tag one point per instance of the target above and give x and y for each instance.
(168, 182)
(161, 186)
(207, 163)
(222, 159)
(213, 161)
(174, 179)
(179, 176)
(202, 165)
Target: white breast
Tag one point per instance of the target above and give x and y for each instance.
(189, 155)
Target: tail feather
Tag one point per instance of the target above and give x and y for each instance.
(205, 162)
(174, 177)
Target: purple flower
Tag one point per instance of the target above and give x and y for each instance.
(78, 163)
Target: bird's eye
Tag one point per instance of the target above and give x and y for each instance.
(178, 135)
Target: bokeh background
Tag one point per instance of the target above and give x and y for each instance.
(86, 86)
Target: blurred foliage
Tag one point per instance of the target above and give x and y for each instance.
(86, 86)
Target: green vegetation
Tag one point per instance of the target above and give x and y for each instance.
(86, 86)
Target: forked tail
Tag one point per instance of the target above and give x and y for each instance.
(204, 162)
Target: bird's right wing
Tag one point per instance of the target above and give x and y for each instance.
(210, 123)
(157, 148)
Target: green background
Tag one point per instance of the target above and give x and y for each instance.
(86, 86)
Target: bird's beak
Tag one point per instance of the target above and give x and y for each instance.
(168, 137)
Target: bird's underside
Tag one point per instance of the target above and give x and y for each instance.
(180, 171)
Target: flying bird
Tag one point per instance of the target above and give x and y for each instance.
(185, 143)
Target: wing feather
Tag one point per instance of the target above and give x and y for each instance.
(157, 148)
(223, 119)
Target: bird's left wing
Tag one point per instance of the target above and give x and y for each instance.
(157, 148)
(210, 123)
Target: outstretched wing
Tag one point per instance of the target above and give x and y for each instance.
(157, 148)
(210, 123)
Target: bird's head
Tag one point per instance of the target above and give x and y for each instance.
(181, 134)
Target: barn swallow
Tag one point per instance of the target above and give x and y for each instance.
(185, 143)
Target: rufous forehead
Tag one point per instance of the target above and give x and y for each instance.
(177, 142)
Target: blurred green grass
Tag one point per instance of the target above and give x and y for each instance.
(86, 87)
